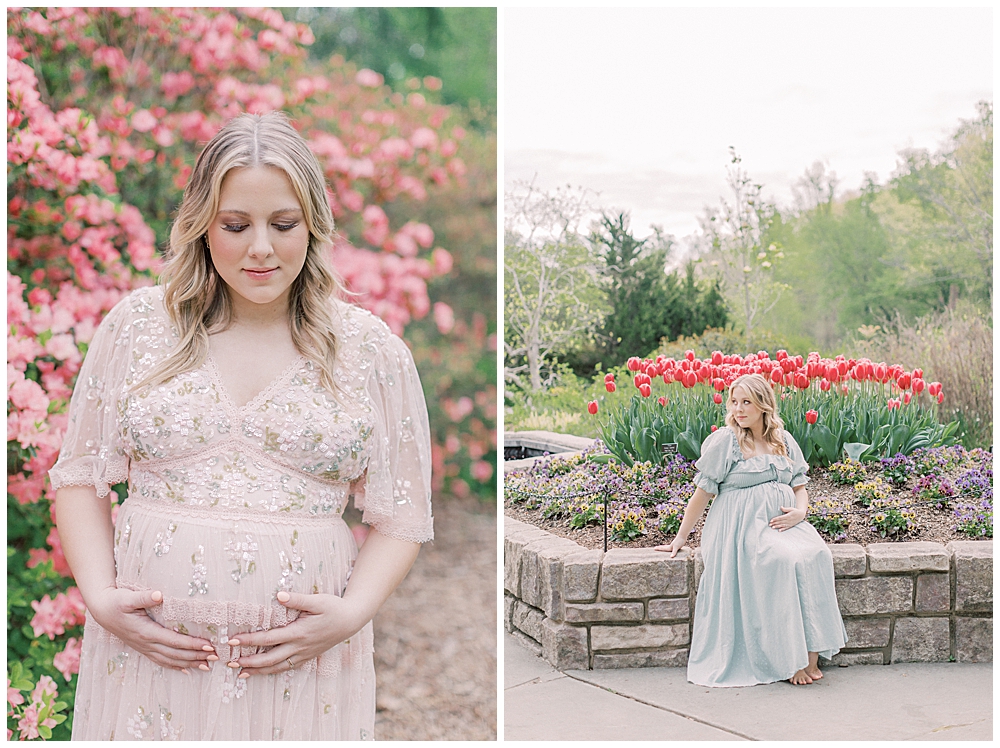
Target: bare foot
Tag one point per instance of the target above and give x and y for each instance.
(813, 672)
(801, 678)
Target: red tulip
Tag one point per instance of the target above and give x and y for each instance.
(609, 377)
(903, 381)
(714, 428)
(880, 372)
(662, 401)
(610, 386)
(689, 355)
(842, 367)
(592, 407)
(637, 380)
(811, 417)
(843, 389)
(918, 385)
(719, 385)
(940, 398)
(906, 398)
(918, 373)
(632, 364)
(717, 358)
(801, 381)
(717, 398)
(781, 354)
(798, 362)
(690, 379)
(776, 375)
(645, 390)
(833, 373)
(824, 385)
(934, 389)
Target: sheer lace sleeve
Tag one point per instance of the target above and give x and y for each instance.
(396, 499)
(92, 453)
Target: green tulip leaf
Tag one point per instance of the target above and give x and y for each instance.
(854, 450)
(688, 445)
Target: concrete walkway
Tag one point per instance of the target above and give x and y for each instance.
(918, 701)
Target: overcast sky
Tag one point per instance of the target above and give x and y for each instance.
(642, 105)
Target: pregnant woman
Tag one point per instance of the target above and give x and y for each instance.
(766, 607)
(244, 404)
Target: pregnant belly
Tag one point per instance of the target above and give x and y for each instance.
(219, 573)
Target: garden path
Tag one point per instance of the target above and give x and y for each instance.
(928, 701)
(435, 638)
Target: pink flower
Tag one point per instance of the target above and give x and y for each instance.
(444, 317)
(482, 471)
(376, 225)
(421, 233)
(14, 697)
(431, 83)
(442, 261)
(52, 616)
(368, 78)
(143, 121)
(423, 138)
(67, 662)
(45, 687)
(176, 84)
(28, 724)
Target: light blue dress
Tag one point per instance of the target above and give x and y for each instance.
(766, 598)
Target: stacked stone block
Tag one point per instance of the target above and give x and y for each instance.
(586, 609)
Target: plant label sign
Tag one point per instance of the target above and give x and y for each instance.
(670, 449)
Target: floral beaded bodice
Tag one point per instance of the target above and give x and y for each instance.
(291, 448)
(293, 451)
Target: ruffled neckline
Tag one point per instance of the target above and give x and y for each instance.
(755, 460)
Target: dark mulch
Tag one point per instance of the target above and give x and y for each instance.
(436, 636)
(933, 524)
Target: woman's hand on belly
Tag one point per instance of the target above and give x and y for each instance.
(325, 621)
(123, 613)
(791, 517)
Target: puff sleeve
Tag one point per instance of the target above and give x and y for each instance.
(92, 453)
(396, 499)
(716, 460)
(799, 464)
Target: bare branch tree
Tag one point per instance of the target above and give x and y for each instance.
(735, 236)
(552, 297)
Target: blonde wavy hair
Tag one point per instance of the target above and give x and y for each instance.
(196, 297)
(762, 396)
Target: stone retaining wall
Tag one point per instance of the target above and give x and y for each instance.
(586, 609)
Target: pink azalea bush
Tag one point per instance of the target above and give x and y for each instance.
(107, 109)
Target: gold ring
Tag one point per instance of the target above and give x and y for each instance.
(289, 661)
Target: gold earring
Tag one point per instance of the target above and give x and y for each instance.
(207, 245)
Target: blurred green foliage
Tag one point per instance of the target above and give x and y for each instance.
(457, 45)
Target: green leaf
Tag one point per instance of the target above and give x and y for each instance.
(45, 732)
(854, 450)
(688, 445)
(602, 458)
(826, 441)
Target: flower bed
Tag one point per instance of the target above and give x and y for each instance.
(940, 494)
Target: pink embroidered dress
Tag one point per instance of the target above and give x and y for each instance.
(229, 505)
